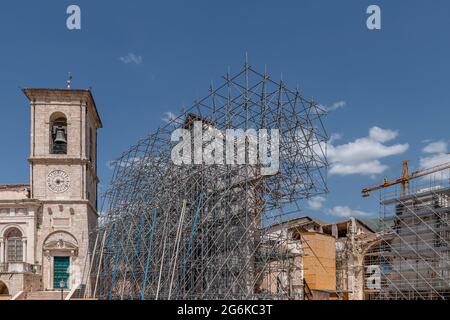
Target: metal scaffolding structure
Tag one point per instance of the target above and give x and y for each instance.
(412, 259)
(200, 231)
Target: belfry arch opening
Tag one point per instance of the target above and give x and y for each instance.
(58, 133)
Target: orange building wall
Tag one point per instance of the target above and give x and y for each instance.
(319, 261)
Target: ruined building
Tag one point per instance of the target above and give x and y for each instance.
(328, 260)
(198, 231)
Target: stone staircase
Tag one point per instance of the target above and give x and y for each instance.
(45, 295)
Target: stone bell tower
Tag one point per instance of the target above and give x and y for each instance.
(63, 173)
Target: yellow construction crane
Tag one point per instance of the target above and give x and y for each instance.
(405, 178)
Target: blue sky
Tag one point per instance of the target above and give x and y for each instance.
(145, 58)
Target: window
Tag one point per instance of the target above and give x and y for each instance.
(58, 134)
(91, 145)
(14, 245)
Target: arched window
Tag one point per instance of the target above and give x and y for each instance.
(14, 245)
(58, 134)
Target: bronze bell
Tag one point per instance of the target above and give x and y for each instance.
(60, 136)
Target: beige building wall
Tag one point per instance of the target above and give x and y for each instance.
(69, 222)
(18, 211)
(54, 222)
(17, 282)
(69, 216)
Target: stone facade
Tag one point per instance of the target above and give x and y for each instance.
(353, 237)
(54, 215)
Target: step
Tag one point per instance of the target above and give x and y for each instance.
(46, 295)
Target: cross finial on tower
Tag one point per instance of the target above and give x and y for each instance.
(69, 81)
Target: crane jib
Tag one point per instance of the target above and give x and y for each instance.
(405, 178)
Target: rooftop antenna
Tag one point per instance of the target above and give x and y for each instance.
(69, 81)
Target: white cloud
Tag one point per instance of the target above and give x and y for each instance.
(335, 137)
(132, 58)
(436, 147)
(382, 135)
(346, 212)
(316, 203)
(434, 160)
(111, 164)
(336, 105)
(169, 117)
(437, 155)
(363, 155)
(367, 168)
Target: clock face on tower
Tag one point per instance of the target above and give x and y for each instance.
(58, 181)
